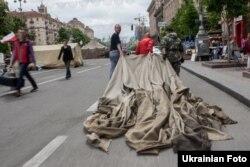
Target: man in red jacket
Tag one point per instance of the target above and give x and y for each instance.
(145, 46)
(23, 53)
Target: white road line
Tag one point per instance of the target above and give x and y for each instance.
(42, 72)
(93, 107)
(47, 151)
(52, 80)
(79, 72)
(45, 82)
(107, 64)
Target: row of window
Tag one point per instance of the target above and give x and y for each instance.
(31, 21)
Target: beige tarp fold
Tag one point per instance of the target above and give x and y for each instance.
(46, 55)
(147, 102)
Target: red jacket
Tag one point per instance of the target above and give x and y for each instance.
(145, 46)
(23, 52)
(246, 46)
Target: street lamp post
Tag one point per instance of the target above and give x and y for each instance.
(202, 39)
(20, 8)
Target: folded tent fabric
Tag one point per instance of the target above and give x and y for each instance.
(147, 102)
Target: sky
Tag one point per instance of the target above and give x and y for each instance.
(100, 15)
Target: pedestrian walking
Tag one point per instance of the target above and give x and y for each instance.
(115, 49)
(246, 50)
(173, 49)
(23, 54)
(145, 46)
(67, 57)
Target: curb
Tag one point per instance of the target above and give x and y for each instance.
(229, 91)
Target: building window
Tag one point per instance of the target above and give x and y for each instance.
(36, 19)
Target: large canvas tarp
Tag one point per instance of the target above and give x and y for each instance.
(46, 56)
(147, 102)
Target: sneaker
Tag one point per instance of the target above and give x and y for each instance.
(34, 89)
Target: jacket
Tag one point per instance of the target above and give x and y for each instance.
(67, 53)
(23, 52)
(145, 46)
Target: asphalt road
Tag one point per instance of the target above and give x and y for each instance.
(45, 128)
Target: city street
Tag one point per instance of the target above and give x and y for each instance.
(45, 128)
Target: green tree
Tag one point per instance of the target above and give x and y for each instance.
(132, 46)
(32, 35)
(184, 21)
(212, 21)
(74, 34)
(63, 34)
(228, 10)
(78, 36)
(8, 24)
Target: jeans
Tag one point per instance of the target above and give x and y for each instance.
(23, 70)
(114, 57)
(67, 65)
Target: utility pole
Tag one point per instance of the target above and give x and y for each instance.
(141, 28)
(20, 8)
(202, 40)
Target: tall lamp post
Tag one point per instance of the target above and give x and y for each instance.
(202, 39)
(20, 8)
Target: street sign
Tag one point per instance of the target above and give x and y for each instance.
(161, 24)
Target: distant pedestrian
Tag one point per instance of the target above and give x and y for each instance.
(246, 49)
(145, 46)
(173, 49)
(24, 54)
(67, 57)
(115, 49)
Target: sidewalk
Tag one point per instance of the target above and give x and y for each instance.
(230, 80)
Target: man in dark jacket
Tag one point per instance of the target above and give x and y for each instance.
(24, 54)
(67, 57)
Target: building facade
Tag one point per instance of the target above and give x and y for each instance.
(45, 28)
(41, 24)
(75, 23)
(163, 11)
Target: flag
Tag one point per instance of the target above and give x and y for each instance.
(9, 38)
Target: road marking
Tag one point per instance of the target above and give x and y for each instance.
(79, 72)
(52, 80)
(47, 151)
(93, 107)
(45, 82)
(107, 64)
(42, 72)
(28, 87)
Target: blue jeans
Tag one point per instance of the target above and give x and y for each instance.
(23, 71)
(67, 65)
(114, 57)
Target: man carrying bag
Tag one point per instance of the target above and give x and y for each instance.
(24, 54)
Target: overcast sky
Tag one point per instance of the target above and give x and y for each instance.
(100, 15)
